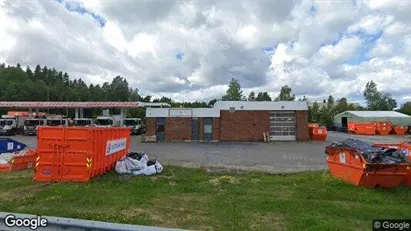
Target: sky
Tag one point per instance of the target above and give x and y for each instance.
(189, 50)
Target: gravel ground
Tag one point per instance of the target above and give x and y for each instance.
(274, 157)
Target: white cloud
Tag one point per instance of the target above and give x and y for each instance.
(319, 47)
(342, 51)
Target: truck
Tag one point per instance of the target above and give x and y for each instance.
(135, 124)
(83, 122)
(11, 125)
(55, 122)
(8, 127)
(107, 121)
(31, 125)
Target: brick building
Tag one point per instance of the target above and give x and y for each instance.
(230, 121)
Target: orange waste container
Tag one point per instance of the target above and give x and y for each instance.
(351, 127)
(383, 130)
(319, 133)
(350, 166)
(20, 162)
(364, 128)
(78, 153)
(400, 130)
(406, 149)
(313, 125)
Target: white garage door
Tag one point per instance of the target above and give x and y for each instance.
(282, 125)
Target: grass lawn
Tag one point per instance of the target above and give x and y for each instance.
(194, 199)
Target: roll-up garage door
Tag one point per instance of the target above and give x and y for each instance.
(282, 125)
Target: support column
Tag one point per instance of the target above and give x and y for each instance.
(81, 112)
(76, 113)
(123, 112)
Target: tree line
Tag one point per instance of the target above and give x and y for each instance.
(49, 84)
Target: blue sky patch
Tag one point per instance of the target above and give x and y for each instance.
(368, 43)
(77, 7)
(268, 49)
(180, 56)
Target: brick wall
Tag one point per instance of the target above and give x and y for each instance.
(302, 126)
(151, 126)
(244, 125)
(216, 129)
(178, 129)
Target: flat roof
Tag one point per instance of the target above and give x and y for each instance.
(46, 104)
(263, 105)
(377, 114)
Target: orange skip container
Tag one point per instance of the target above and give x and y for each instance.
(20, 162)
(318, 133)
(406, 149)
(313, 125)
(78, 153)
(400, 130)
(384, 131)
(349, 165)
(351, 127)
(364, 128)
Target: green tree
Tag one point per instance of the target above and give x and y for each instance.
(405, 108)
(251, 96)
(234, 92)
(285, 94)
(376, 100)
(263, 96)
(146, 99)
(211, 103)
(315, 113)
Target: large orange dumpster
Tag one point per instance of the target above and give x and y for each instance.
(383, 131)
(351, 127)
(313, 125)
(78, 153)
(20, 162)
(318, 133)
(350, 166)
(406, 150)
(400, 130)
(364, 128)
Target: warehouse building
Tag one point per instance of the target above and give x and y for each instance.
(396, 118)
(230, 121)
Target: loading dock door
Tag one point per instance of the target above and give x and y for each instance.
(160, 129)
(282, 125)
(195, 129)
(208, 129)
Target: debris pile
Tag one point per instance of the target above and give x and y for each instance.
(374, 154)
(6, 157)
(138, 164)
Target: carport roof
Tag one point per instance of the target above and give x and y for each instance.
(55, 104)
(376, 114)
(38, 104)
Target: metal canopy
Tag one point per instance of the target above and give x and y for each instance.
(23, 104)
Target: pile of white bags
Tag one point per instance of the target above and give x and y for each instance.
(6, 157)
(138, 164)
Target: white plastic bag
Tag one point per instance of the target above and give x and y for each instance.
(121, 167)
(159, 167)
(148, 171)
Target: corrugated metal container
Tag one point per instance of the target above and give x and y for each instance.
(78, 154)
